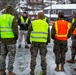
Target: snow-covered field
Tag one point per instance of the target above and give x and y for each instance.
(22, 61)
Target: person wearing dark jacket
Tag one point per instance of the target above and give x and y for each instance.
(9, 36)
(23, 22)
(60, 32)
(39, 36)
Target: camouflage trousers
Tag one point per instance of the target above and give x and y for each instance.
(60, 48)
(34, 51)
(73, 49)
(0, 47)
(9, 50)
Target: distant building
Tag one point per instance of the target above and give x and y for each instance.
(68, 9)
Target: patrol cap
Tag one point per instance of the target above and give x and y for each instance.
(9, 9)
(61, 14)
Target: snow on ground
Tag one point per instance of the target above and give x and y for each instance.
(22, 61)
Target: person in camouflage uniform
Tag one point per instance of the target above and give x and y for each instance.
(73, 20)
(8, 42)
(60, 46)
(37, 43)
(73, 48)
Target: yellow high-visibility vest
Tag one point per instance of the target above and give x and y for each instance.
(6, 26)
(22, 20)
(45, 19)
(40, 31)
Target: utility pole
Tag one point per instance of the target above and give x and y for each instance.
(7, 3)
(43, 5)
(50, 10)
(19, 6)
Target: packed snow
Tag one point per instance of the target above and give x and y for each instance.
(22, 61)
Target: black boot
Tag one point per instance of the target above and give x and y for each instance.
(26, 46)
(19, 46)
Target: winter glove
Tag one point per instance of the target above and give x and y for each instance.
(24, 23)
(20, 24)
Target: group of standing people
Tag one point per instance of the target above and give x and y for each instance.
(37, 33)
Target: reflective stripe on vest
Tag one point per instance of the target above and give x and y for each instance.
(22, 20)
(6, 26)
(40, 31)
(62, 33)
(74, 32)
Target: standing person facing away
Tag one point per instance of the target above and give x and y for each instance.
(23, 22)
(39, 36)
(9, 36)
(60, 32)
(74, 42)
(73, 49)
(74, 18)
